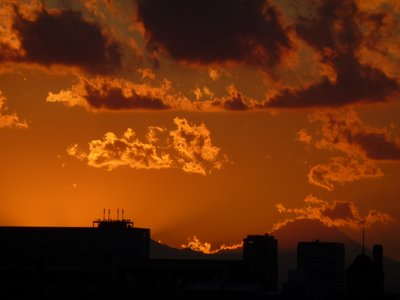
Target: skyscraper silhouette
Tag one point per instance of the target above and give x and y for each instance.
(260, 256)
(324, 267)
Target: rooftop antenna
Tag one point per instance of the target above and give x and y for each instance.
(363, 240)
(122, 214)
(117, 213)
(104, 214)
(108, 214)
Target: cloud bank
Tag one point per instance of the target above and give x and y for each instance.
(107, 93)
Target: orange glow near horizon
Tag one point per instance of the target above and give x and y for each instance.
(196, 245)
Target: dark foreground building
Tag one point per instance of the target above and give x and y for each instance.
(365, 276)
(67, 261)
(111, 260)
(319, 273)
(260, 256)
(254, 277)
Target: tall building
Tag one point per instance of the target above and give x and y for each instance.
(324, 267)
(365, 275)
(260, 257)
(73, 254)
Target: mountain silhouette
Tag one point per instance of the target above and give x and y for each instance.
(311, 230)
(288, 237)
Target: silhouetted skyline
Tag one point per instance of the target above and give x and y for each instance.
(114, 256)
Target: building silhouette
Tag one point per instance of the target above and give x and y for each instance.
(365, 275)
(253, 277)
(112, 259)
(319, 273)
(260, 256)
(40, 261)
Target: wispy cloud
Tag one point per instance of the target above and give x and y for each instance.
(363, 146)
(342, 170)
(8, 120)
(188, 147)
(343, 130)
(342, 214)
(205, 247)
(110, 93)
(303, 136)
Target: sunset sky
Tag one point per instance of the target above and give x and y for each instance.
(210, 118)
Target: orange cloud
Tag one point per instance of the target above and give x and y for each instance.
(147, 73)
(343, 130)
(202, 92)
(303, 136)
(362, 145)
(205, 247)
(112, 152)
(343, 214)
(9, 120)
(111, 93)
(214, 74)
(194, 146)
(234, 101)
(342, 170)
(188, 147)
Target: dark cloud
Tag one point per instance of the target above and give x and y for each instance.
(235, 101)
(65, 37)
(355, 83)
(333, 26)
(110, 93)
(343, 130)
(377, 146)
(209, 31)
(335, 33)
(341, 210)
(114, 99)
